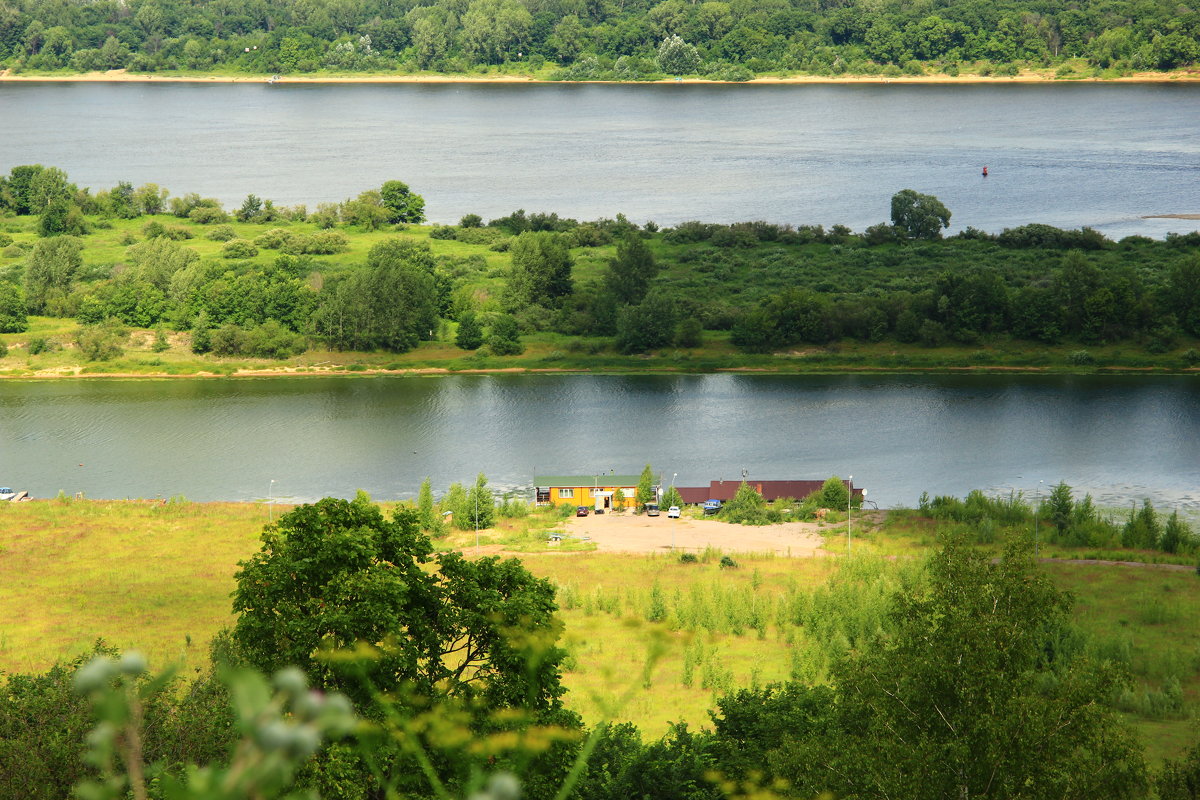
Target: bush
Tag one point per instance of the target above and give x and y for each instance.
(101, 342)
(40, 344)
(1080, 358)
(221, 233)
(444, 232)
(207, 215)
(239, 248)
(727, 562)
(691, 558)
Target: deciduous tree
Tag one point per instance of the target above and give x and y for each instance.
(919, 216)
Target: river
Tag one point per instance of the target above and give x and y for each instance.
(1121, 438)
(1101, 155)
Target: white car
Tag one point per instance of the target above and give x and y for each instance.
(673, 512)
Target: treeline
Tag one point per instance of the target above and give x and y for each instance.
(288, 282)
(399, 671)
(628, 41)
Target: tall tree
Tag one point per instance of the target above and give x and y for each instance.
(630, 273)
(974, 694)
(645, 488)
(49, 271)
(402, 203)
(919, 216)
(540, 272)
(337, 573)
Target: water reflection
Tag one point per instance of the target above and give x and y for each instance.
(1119, 438)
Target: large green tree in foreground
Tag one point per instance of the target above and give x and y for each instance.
(335, 575)
(978, 692)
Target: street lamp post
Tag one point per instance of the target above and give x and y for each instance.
(1036, 506)
(849, 497)
(674, 475)
(271, 501)
(477, 515)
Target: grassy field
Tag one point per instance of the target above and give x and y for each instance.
(650, 640)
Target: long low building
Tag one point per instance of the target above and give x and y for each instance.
(770, 490)
(594, 491)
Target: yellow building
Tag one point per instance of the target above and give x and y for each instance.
(594, 491)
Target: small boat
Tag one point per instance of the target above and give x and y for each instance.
(7, 493)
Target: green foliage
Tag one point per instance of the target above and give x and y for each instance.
(973, 695)
(50, 270)
(102, 342)
(541, 270)
(12, 309)
(239, 248)
(645, 489)
(505, 338)
(337, 575)
(746, 508)
(402, 204)
(479, 508)
(677, 57)
(646, 326)
(391, 305)
(834, 493)
(630, 273)
(470, 333)
(919, 216)
(672, 497)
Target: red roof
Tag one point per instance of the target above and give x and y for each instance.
(770, 490)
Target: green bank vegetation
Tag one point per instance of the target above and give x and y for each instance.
(732, 41)
(648, 643)
(136, 281)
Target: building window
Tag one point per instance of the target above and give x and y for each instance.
(543, 496)
(566, 494)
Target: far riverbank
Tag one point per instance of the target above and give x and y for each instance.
(1026, 76)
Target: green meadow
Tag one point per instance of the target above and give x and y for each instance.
(650, 640)
(863, 289)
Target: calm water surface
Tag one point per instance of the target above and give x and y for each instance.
(1067, 155)
(1119, 438)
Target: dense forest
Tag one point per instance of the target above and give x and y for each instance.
(576, 40)
(364, 275)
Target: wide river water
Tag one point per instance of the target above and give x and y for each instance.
(1121, 438)
(1101, 155)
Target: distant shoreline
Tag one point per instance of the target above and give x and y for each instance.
(121, 76)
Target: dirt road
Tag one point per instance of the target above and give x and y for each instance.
(627, 533)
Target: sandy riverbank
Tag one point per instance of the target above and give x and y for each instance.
(1047, 76)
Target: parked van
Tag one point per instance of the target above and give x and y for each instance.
(651, 509)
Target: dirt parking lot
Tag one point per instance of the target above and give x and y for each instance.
(629, 533)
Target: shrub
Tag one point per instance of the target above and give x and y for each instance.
(239, 248)
(1080, 358)
(207, 215)
(273, 239)
(101, 342)
(40, 344)
(727, 562)
(691, 558)
(443, 232)
(221, 233)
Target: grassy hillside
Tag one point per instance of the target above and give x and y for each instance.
(158, 577)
